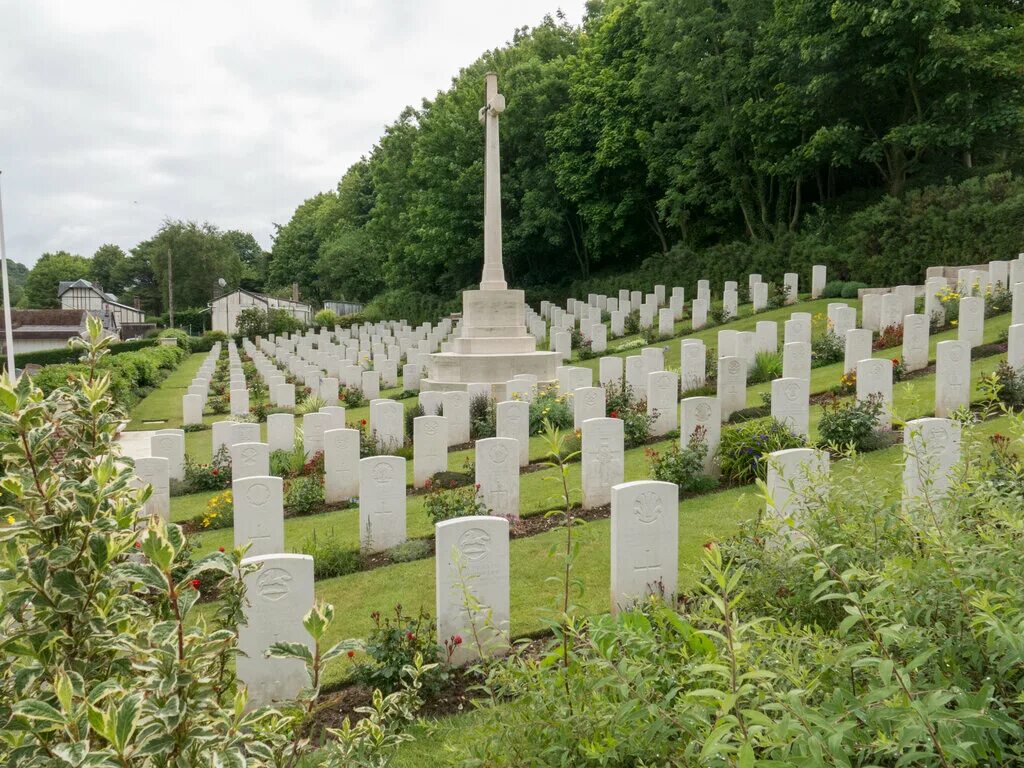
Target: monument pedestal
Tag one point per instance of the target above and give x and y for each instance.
(493, 348)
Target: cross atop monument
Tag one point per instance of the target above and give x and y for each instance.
(494, 271)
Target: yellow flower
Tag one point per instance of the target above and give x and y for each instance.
(953, 323)
(10, 519)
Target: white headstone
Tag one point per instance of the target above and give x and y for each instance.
(155, 471)
(602, 461)
(456, 409)
(915, 342)
(472, 586)
(430, 448)
(858, 347)
(381, 502)
(874, 376)
(931, 449)
(644, 542)
(259, 514)
(766, 336)
(794, 477)
(170, 444)
(497, 475)
(278, 596)
(792, 283)
(699, 312)
(796, 360)
(281, 431)
(587, 403)
(221, 435)
(662, 401)
(239, 401)
(818, 273)
(313, 427)
(245, 432)
(702, 417)
(952, 377)
(250, 460)
(192, 409)
(871, 312)
(609, 371)
(971, 327)
(732, 386)
(387, 420)
(1015, 348)
(341, 465)
(790, 404)
(693, 364)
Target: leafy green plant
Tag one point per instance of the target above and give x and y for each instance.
(852, 424)
(827, 349)
(683, 466)
(743, 447)
(636, 422)
(394, 644)
(411, 549)
(330, 557)
(1007, 384)
(208, 477)
(482, 417)
(304, 495)
(767, 367)
(289, 463)
(549, 405)
(446, 503)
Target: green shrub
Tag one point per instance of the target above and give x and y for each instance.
(208, 477)
(833, 289)
(1006, 384)
(446, 503)
(330, 558)
(852, 290)
(326, 318)
(827, 349)
(179, 335)
(393, 644)
(852, 424)
(631, 323)
(482, 417)
(304, 495)
(549, 405)
(683, 466)
(742, 448)
(636, 422)
(767, 367)
(412, 549)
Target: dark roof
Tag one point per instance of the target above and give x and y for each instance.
(45, 323)
(65, 285)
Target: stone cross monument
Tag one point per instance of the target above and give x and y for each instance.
(494, 272)
(493, 345)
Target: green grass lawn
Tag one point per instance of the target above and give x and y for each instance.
(164, 402)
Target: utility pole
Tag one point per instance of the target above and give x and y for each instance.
(8, 329)
(170, 289)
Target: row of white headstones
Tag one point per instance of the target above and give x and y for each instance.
(382, 481)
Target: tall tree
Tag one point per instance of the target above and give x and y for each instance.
(42, 282)
(200, 256)
(108, 267)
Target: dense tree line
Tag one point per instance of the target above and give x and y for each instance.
(666, 126)
(201, 255)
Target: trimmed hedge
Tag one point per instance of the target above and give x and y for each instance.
(129, 372)
(68, 355)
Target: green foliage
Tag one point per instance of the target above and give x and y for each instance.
(767, 367)
(304, 495)
(71, 355)
(549, 405)
(743, 447)
(394, 643)
(411, 549)
(446, 502)
(330, 557)
(827, 349)
(683, 466)
(482, 417)
(1007, 385)
(326, 318)
(44, 278)
(852, 424)
(636, 422)
(208, 477)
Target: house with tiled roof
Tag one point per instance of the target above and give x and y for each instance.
(117, 318)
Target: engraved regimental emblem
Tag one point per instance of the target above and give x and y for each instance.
(273, 584)
(474, 543)
(648, 507)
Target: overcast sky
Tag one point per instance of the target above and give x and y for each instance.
(117, 115)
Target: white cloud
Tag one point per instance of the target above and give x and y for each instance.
(116, 115)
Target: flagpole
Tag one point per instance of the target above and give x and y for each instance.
(8, 329)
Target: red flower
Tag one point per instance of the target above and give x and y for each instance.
(220, 549)
(613, 415)
(195, 583)
(478, 486)
(895, 361)
(362, 422)
(457, 639)
(215, 471)
(427, 483)
(351, 654)
(138, 545)
(410, 636)
(709, 545)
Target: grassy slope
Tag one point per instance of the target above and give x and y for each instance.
(709, 517)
